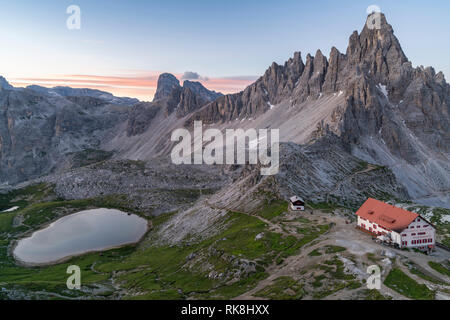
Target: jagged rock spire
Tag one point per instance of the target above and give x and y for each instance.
(377, 50)
(166, 84)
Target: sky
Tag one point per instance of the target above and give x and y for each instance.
(123, 45)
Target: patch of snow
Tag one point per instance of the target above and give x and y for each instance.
(386, 262)
(270, 105)
(389, 254)
(350, 267)
(383, 89)
(340, 93)
(11, 209)
(254, 143)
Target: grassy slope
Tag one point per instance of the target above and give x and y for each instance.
(439, 267)
(406, 286)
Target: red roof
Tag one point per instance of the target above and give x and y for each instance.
(386, 215)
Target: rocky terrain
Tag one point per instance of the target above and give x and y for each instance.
(37, 129)
(43, 128)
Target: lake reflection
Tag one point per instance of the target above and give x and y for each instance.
(85, 231)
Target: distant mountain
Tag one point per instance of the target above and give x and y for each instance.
(166, 84)
(40, 127)
(4, 84)
(72, 92)
(170, 98)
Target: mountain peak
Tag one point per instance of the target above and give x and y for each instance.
(4, 84)
(376, 49)
(167, 82)
(377, 20)
(198, 88)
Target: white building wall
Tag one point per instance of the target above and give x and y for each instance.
(396, 238)
(297, 208)
(370, 226)
(421, 230)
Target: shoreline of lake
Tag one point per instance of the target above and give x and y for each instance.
(23, 263)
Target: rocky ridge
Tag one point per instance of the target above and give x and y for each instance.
(394, 114)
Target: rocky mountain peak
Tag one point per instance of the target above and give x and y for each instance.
(193, 96)
(377, 50)
(4, 84)
(198, 89)
(170, 98)
(166, 84)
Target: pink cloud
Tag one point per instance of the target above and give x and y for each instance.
(141, 85)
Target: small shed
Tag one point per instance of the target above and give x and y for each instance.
(297, 203)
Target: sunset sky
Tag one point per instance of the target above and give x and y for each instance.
(123, 46)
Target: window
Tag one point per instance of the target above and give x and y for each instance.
(413, 234)
(412, 227)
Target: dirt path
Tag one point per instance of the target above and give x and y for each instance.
(431, 285)
(272, 226)
(369, 168)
